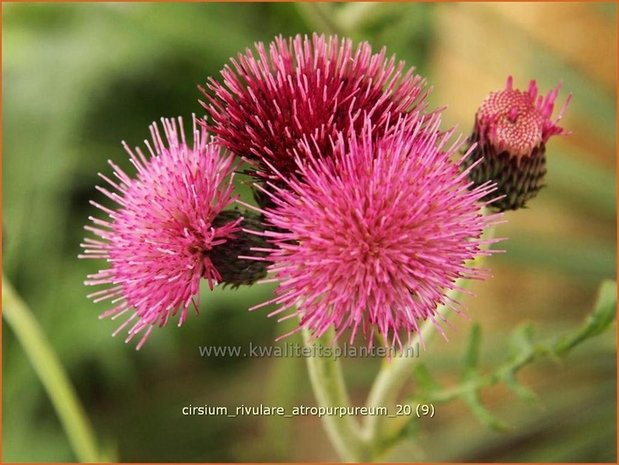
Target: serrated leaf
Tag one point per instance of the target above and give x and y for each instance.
(596, 322)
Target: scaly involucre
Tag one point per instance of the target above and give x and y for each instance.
(302, 87)
(157, 242)
(512, 128)
(372, 239)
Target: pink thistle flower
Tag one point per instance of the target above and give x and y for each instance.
(299, 88)
(374, 238)
(159, 240)
(512, 128)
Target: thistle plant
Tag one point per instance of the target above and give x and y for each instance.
(371, 218)
(321, 202)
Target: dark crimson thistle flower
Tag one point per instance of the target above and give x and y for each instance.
(275, 97)
(373, 238)
(512, 128)
(162, 239)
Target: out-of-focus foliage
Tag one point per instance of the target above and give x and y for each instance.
(79, 78)
(524, 350)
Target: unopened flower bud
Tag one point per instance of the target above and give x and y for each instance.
(512, 128)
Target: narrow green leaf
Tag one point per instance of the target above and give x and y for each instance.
(521, 338)
(472, 399)
(427, 384)
(521, 345)
(482, 413)
(471, 356)
(519, 389)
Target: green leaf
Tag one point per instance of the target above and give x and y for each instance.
(482, 413)
(521, 344)
(470, 374)
(471, 356)
(427, 384)
(521, 339)
(523, 350)
(596, 322)
(519, 389)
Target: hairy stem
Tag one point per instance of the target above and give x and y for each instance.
(50, 372)
(330, 391)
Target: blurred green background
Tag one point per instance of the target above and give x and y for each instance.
(79, 78)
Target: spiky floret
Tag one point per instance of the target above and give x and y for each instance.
(160, 239)
(512, 128)
(275, 96)
(372, 239)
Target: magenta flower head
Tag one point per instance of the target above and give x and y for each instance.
(160, 241)
(372, 239)
(277, 95)
(512, 128)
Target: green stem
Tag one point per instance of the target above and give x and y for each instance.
(50, 372)
(391, 379)
(330, 391)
